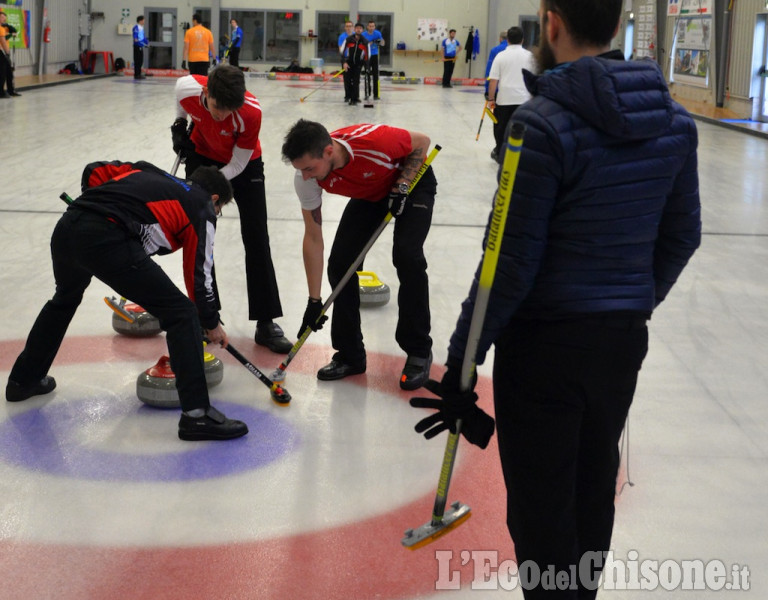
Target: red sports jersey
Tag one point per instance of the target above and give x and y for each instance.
(375, 161)
(216, 139)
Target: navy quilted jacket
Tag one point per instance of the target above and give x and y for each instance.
(605, 211)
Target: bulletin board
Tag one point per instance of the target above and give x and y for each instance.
(432, 30)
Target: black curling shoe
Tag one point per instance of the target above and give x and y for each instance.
(415, 373)
(213, 425)
(16, 392)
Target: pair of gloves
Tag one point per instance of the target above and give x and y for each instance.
(453, 404)
(180, 137)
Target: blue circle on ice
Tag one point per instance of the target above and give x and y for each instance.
(75, 439)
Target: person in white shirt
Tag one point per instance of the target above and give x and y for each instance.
(506, 88)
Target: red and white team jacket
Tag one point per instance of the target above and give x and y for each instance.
(166, 214)
(376, 154)
(233, 141)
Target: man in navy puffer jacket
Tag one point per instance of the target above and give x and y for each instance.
(604, 216)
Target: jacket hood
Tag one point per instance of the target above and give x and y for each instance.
(627, 99)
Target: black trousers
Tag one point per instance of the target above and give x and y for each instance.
(358, 223)
(6, 73)
(353, 74)
(448, 66)
(251, 200)
(503, 114)
(86, 245)
(138, 60)
(234, 57)
(562, 391)
(373, 69)
(199, 68)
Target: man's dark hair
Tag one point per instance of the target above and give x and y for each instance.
(515, 35)
(213, 181)
(451, 31)
(140, 18)
(590, 22)
(197, 17)
(305, 137)
(226, 85)
(359, 24)
(369, 22)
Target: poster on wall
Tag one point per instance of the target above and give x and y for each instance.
(432, 30)
(19, 20)
(645, 31)
(692, 51)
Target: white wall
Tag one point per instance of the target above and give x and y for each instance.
(460, 14)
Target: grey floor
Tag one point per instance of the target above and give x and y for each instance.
(98, 499)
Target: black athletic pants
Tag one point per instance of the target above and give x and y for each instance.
(358, 223)
(503, 114)
(251, 199)
(234, 57)
(373, 69)
(85, 245)
(562, 391)
(138, 60)
(448, 66)
(199, 68)
(354, 81)
(6, 73)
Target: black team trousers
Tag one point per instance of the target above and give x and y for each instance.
(358, 223)
(250, 197)
(85, 245)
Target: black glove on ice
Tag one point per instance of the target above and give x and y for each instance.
(312, 318)
(453, 404)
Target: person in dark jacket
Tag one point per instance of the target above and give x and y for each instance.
(604, 216)
(127, 213)
(355, 54)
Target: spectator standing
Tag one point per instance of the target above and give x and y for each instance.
(506, 89)
(6, 66)
(375, 40)
(199, 49)
(451, 47)
(349, 29)
(356, 52)
(604, 216)
(235, 43)
(491, 55)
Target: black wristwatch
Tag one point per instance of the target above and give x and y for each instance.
(403, 187)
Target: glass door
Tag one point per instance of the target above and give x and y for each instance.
(161, 33)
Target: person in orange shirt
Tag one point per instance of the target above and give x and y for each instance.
(198, 47)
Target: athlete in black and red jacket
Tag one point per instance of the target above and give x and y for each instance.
(127, 213)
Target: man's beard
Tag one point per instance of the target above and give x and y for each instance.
(543, 55)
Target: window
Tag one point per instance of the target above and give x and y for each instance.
(330, 25)
(268, 36)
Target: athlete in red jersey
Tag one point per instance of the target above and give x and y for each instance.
(374, 165)
(127, 213)
(227, 121)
